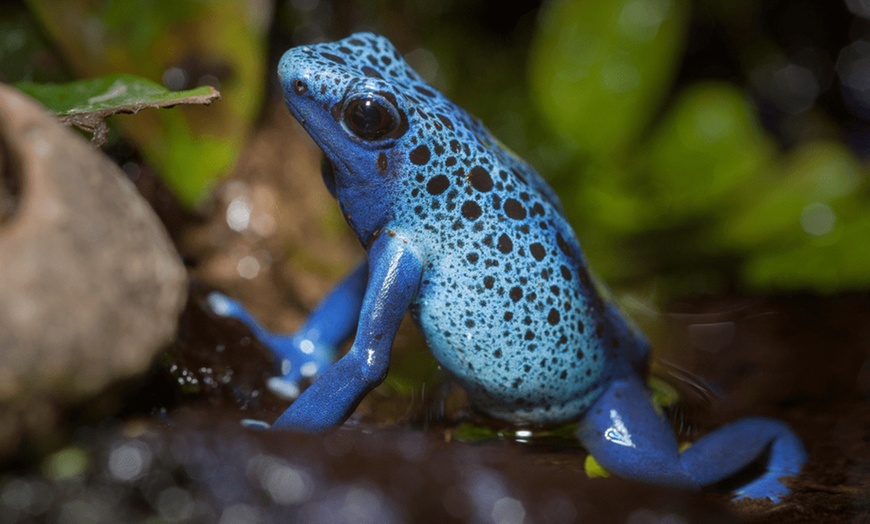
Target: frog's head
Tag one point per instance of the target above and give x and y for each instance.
(376, 120)
(339, 93)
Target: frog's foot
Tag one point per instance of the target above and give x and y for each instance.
(628, 438)
(769, 485)
(786, 457)
(299, 357)
(224, 306)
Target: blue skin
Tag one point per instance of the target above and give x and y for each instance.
(471, 239)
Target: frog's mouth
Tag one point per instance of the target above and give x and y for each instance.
(315, 125)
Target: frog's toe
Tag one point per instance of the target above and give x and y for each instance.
(300, 357)
(283, 387)
(252, 423)
(297, 365)
(224, 306)
(767, 486)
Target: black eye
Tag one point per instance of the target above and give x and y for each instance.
(370, 118)
(299, 87)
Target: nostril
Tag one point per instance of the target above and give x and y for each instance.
(299, 87)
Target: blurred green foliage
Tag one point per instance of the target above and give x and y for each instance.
(25, 55)
(599, 65)
(689, 192)
(672, 184)
(184, 43)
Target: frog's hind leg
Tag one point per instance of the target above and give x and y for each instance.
(306, 353)
(629, 438)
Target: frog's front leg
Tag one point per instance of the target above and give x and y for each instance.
(393, 281)
(625, 435)
(314, 346)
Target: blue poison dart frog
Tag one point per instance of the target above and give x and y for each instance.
(470, 239)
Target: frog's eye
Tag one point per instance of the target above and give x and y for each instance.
(370, 117)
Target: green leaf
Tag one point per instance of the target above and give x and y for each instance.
(593, 469)
(112, 94)
(471, 433)
(600, 68)
(87, 103)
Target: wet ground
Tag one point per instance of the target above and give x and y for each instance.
(178, 451)
(175, 450)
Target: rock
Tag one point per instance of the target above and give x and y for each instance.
(90, 284)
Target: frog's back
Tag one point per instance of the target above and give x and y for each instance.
(506, 303)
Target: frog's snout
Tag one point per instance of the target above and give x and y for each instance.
(291, 77)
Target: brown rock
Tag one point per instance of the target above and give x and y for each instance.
(90, 284)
